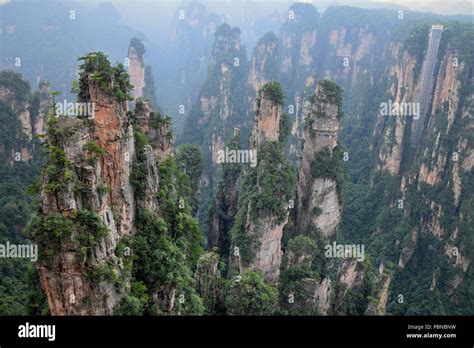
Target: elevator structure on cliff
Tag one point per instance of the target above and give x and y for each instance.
(425, 94)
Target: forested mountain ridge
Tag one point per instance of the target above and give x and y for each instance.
(22, 118)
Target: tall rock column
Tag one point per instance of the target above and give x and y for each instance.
(15, 109)
(318, 191)
(222, 213)
(298, 40)
(141, 75)
(267, 189)
(86, 200)
(306, 273)
(264, 65)
(44, 105)
(222, 100)
(136, 68)
(299, 37)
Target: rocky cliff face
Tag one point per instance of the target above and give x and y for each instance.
(149, 200)
(9, 97)
(24, 115)
(87, 205)
(308, 273)
(298, 38)
(349, 53)
(218, 108)
(103, 189)
(444, 163)
(344, 51)
(208, 281)
(161, 137)
(165, 229)
(136, 68)
(348, 48)
(307, 293)
(268, 255)
(113, 133)
(264, 65)
(318, 199)
(268, 228)
(111, 182)
(20, 163)
(44, 106)
(267, 120)
(259, 225)
(222, 107)
(227, 59)
(402, 90)
(157, 128)
(413, 198)
(215, 123)
(378, 307)
(141, 75)
(194, 32)
(431, 180)
(222, 214)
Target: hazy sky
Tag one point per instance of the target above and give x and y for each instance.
(155, 16)
(439, 6)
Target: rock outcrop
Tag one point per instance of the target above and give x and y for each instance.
(264, 65)
(311, 294)
(136, 68)
(103, 189)
(17, 103)
(298, 38)
(86, 191)
(441, 165)
(141, 75)
(267, 119)
(222, 214)
(208, 281)
(401, 90)
(221, 103)
(193, 35)
(262, 223)
(44, 107)
(318, 199)
(18, 100)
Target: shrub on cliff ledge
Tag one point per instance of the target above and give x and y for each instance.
(13, 82)
(111, 79)
(252, 296)
(329, 90)
(273, 90)
(331, 167)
